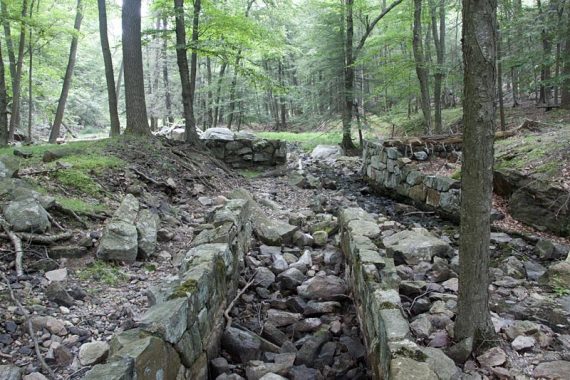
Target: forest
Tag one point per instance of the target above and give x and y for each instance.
(269, 65)
(284, 189)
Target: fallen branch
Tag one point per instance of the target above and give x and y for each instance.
(43, 363)
(152, 180)
(238, 295)
(17, 243)
(40, 239)
(71, 213)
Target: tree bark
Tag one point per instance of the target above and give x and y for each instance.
(3, 103)
(210, 95)
(54, 134)
(185, 76)
(347, 143)
(167, 100)
(421, 67)
(15, 118)
(30, 78)
(500, 80)
(109, 75)
(9, 43)
(439, 41)
(544, 97)
(193, 136)
(479, 57)
(137, 120)
(565, 93)
(217, 108)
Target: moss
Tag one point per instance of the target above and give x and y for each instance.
(79, 180)
(416, 355)
(103, 271)
(79, 206)
(187, 287)
(247, 173)
(456, 175)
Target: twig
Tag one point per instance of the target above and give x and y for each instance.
(43, 363)
(152, 180)
(238, 295)
(17, 243)
(55, 223)
(72, 213)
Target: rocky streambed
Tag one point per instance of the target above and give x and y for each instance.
(299, 303)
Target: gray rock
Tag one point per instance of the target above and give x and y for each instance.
(322, 287)
(421, 327)
(500, 238)
(34, 376)
(93, 353)
(256, 369)
(280, 318)
(416, 245)
(57, 293)
(223, 134)
(119, 242)
(27, 215)
(326, 152)
(147, 228)
(533, 270)
(168, 319)
(302, 372)
(557, 275)
(264, 277)
(548, 250)
(279, 263)
(307, 325)
(219, 365)
(513, 267)
(115, 370)
(241, 345)
(440, 363)
(128, 209)
(309, 350)
(555, 370)
(56, 275)
(519, 327)
(522, 342)
(272, 376)
(10, 372)
(396, 326)
(492, 358)
(320, 238)
(420, 156)
(314, 308)
(291, 278)
(53, 325)
(460, 351)
(402, 368)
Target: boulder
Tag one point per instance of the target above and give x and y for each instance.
(57, 293)
(555, 370)
(115, 370)
(8, 167)
(320, 238)
(440, 363)
(241, 345)
(10, 372)
(492, 358)
(290, 278)
(402, 368)
(264, 277)
(147, 228)
(416, 245)
(27, 215)
(557, 275)
(119, 242)
(322, 287)
(168, 319)
(326, 152)
(549, 250)
(93, 352)
(218, 134)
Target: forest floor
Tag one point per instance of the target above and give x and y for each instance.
(91, 178)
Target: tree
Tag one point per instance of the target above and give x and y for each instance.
(479, 115)
(16, 80)
(565, 98)
(421, 65)
(439, 41)
(109, 75)
(137, 120)
(54, 134)
(187, 78)
(3, 101)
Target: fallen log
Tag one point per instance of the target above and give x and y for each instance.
(440, 140)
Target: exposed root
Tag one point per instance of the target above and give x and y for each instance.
(17, 243)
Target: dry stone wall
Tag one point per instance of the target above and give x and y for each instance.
(181, 332)
(392, 354)
(389, 172)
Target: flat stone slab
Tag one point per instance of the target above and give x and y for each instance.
(416, 245)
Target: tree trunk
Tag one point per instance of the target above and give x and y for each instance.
(119, 80)
(217, 113)
(15, 118)
(109, 75)
(192, 137)
(421, 67)
(30, 79)
(3, 103)
(500, 80)
(439, 40)
(210, 95)
(565, 93)
(545, 66)
(282, 101)
(347, 143)
(54, 134)
(137, 120)
(9, 43)
(167, 100)
(182, 60)
(517, 12)
(479, 57)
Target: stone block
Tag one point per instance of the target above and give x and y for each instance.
(432, 197)
(418, 193)
(394, 323)
(122, 369)
(414, 177)
(168, 319)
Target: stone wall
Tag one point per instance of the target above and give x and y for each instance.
(389, 172)
(243, 149)
(181, 332)
(392, 354)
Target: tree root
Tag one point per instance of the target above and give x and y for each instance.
(238, 295)
(17, 243)
(40, 239)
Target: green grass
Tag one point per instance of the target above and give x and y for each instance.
(308, 140)
(248, 173)
(104, 272)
